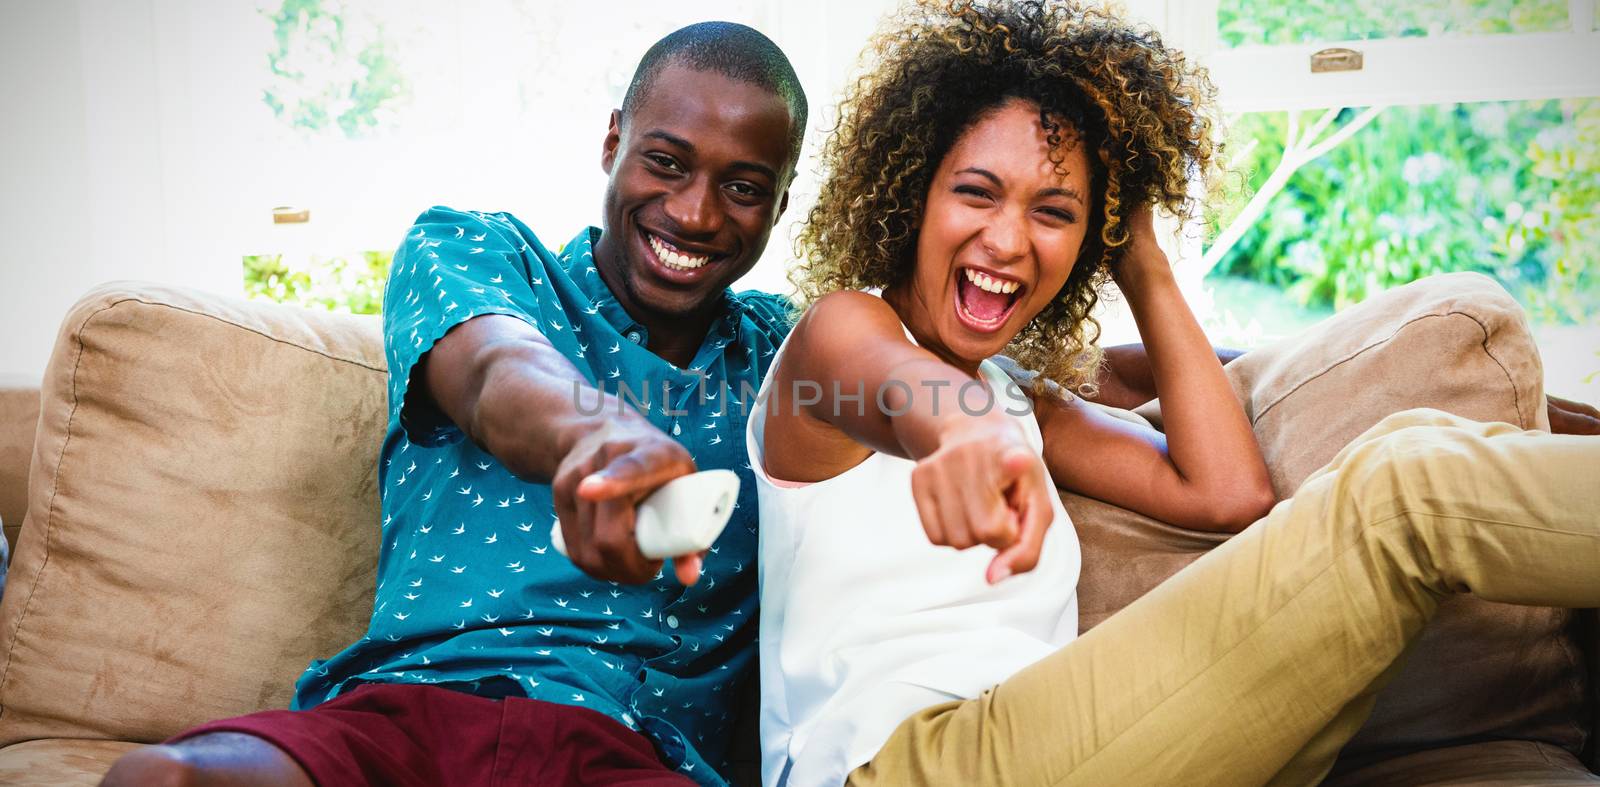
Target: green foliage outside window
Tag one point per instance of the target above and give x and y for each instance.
(1508, 189)
(336, 284)
(330, 68)
(1246, 22)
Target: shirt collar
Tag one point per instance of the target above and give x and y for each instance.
(578, 258)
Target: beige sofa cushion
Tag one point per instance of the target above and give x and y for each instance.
(19, 416)
(202, 513)
(56, 762)
(1125, 555)
(1518, 763)
(1457, 343)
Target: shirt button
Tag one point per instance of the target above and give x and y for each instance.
(672, 621)
(677, 428)
(634, 336)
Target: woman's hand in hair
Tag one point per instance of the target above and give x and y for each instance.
(1141, 252)
(1206, 471)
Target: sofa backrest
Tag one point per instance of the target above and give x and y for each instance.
(201, 517)
(202, 522)
(19, 418)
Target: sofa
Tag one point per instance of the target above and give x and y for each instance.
(191, 494)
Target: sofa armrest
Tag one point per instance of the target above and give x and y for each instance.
(19, 419)
(203, 509)
(1459, 343)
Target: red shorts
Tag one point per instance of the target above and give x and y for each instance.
(406, 734)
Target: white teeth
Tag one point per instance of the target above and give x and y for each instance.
(989, 283)
(674, 258)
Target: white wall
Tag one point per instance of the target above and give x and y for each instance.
(44, 180)
(86, 194)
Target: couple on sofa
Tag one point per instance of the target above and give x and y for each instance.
(995, 169)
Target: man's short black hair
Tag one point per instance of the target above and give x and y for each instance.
(733, 50)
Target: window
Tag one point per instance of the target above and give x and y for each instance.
(1432, 51)
(1503, 188)
(1467, 139)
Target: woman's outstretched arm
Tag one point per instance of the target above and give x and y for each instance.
(1206, 472)
(850, 384)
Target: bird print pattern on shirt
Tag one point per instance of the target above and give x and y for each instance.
(470, 595)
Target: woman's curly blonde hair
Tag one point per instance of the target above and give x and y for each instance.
(1138, 106)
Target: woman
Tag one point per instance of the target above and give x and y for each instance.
(995, 169)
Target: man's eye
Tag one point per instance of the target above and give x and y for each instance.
(744, 189)
(665, 162)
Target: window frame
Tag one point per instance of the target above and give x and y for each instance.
(1443, 69)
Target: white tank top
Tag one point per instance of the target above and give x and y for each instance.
(864, 622)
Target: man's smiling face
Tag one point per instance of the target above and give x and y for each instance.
(698, 176)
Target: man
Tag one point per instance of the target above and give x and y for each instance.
(489, 655)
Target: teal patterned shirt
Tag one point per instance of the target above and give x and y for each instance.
(470, 594)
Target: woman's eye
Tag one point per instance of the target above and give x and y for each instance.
(972, 191)
(1060, 215)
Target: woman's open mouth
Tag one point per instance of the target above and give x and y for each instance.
(984, 301)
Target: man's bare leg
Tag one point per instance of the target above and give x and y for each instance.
(218, 759)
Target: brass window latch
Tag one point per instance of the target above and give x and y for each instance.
(285, 214)
(1335, 59)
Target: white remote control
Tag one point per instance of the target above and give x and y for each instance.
(683, 517)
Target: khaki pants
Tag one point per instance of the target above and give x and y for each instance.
(1255, 664)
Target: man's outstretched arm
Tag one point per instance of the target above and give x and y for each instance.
(516, 396)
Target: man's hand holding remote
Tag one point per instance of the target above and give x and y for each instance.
(597, 490)
(513, 394)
